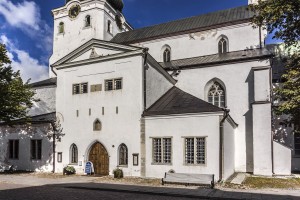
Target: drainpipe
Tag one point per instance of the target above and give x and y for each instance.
(221, 150)
(53, 70)
(53, 146)
(145, 52)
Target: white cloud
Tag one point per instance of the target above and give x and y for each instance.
(22, 15)
(29, 67)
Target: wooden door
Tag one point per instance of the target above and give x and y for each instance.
(99, 157)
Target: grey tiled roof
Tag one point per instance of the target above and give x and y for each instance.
(197, 23)
(44, 118)
(215, 59)
(47, 82)
(176, 101)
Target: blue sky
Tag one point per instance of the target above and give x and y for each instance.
(26, 25)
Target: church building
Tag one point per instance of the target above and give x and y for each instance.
(190, 96)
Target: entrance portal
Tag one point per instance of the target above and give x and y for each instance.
(99, 157)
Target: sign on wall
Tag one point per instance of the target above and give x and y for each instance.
(89, 168)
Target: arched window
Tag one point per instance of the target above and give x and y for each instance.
(123, 155)
(216, 95)
(97, 125)
(74, 154)
(223, 45)
(61, 27)
(87, 21)
(167, 55)
(109, 26)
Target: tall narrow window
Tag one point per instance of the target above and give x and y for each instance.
(36, 149)
(167, 55)
(223, 45)
(195, 151)
(61, 27)
(87, 21)
(13, 149)
(74, 154)
(97, 125)
(123, 155)
(162, 150)
(109, 26)
(216, 95)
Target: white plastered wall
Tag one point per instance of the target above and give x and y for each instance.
(179, 127)
(229, 150)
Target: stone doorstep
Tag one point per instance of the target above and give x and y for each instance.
(239, 178)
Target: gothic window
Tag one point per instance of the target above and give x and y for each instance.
(87, 21)
(74, 154)
(61, 27)
(123, 155)
(97, 125)
(167, 55)
(223, 45)
(216, 95)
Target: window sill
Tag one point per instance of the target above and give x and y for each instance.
(167, 164)
(73, 164)
(197, 165)
(123, 166)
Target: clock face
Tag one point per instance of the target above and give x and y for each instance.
(74, 11)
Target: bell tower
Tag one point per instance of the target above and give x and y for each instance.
(79, 21)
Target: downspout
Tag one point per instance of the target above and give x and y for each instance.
(145, 52)
(53, 145)
(221, 150)
(272, 115)
(53, 70)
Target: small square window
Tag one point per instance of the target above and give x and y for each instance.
(109, 85)
(118, 84)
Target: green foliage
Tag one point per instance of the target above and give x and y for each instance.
(118, 173)
(15, 96)
(69, 170)
(282, 18)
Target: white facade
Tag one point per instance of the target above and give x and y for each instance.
(106, 90)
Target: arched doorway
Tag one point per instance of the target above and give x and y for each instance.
(99, 157)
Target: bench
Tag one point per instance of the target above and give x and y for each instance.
(194, 179)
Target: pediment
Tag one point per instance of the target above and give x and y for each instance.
(94, 49)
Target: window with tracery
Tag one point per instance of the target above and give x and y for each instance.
(74, 154)
(167, 55)
(216, 95)
(123, 155)
(223, 48)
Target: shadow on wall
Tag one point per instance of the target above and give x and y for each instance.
(31, 155)
(249, 123)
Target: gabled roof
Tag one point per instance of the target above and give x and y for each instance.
(198, 23)
(94, 43)
(176, 101)
(47, 82)
(215, 59)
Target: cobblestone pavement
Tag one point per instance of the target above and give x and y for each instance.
(33, 188)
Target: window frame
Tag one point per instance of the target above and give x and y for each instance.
(221, 47)
(87, 21)
(114, 83)
(296, 143)
(80, 88)
(36, 151)
(195, 151)
(14, 155)
(162, 151)
(61, 28)
(124, 154)
(74, 154)
(219, 93)
(167, 55)
(94, 125)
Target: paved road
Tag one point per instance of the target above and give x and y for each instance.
(56, 192)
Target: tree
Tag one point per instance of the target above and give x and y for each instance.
(282, 18)
(15, 96)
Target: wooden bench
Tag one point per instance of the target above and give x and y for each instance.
(194, 179)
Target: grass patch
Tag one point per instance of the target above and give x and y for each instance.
(281, 183)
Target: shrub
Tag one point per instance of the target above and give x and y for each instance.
(118, 173)
(69, 170)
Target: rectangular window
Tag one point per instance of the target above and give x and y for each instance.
(297, 144)
(195, 150)
(113, 84)
(135, 159)
(13, 149)
(118, 84)
(36, 149)
(162, 150)
(109, 85)
(59, 157)
(80, 88)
